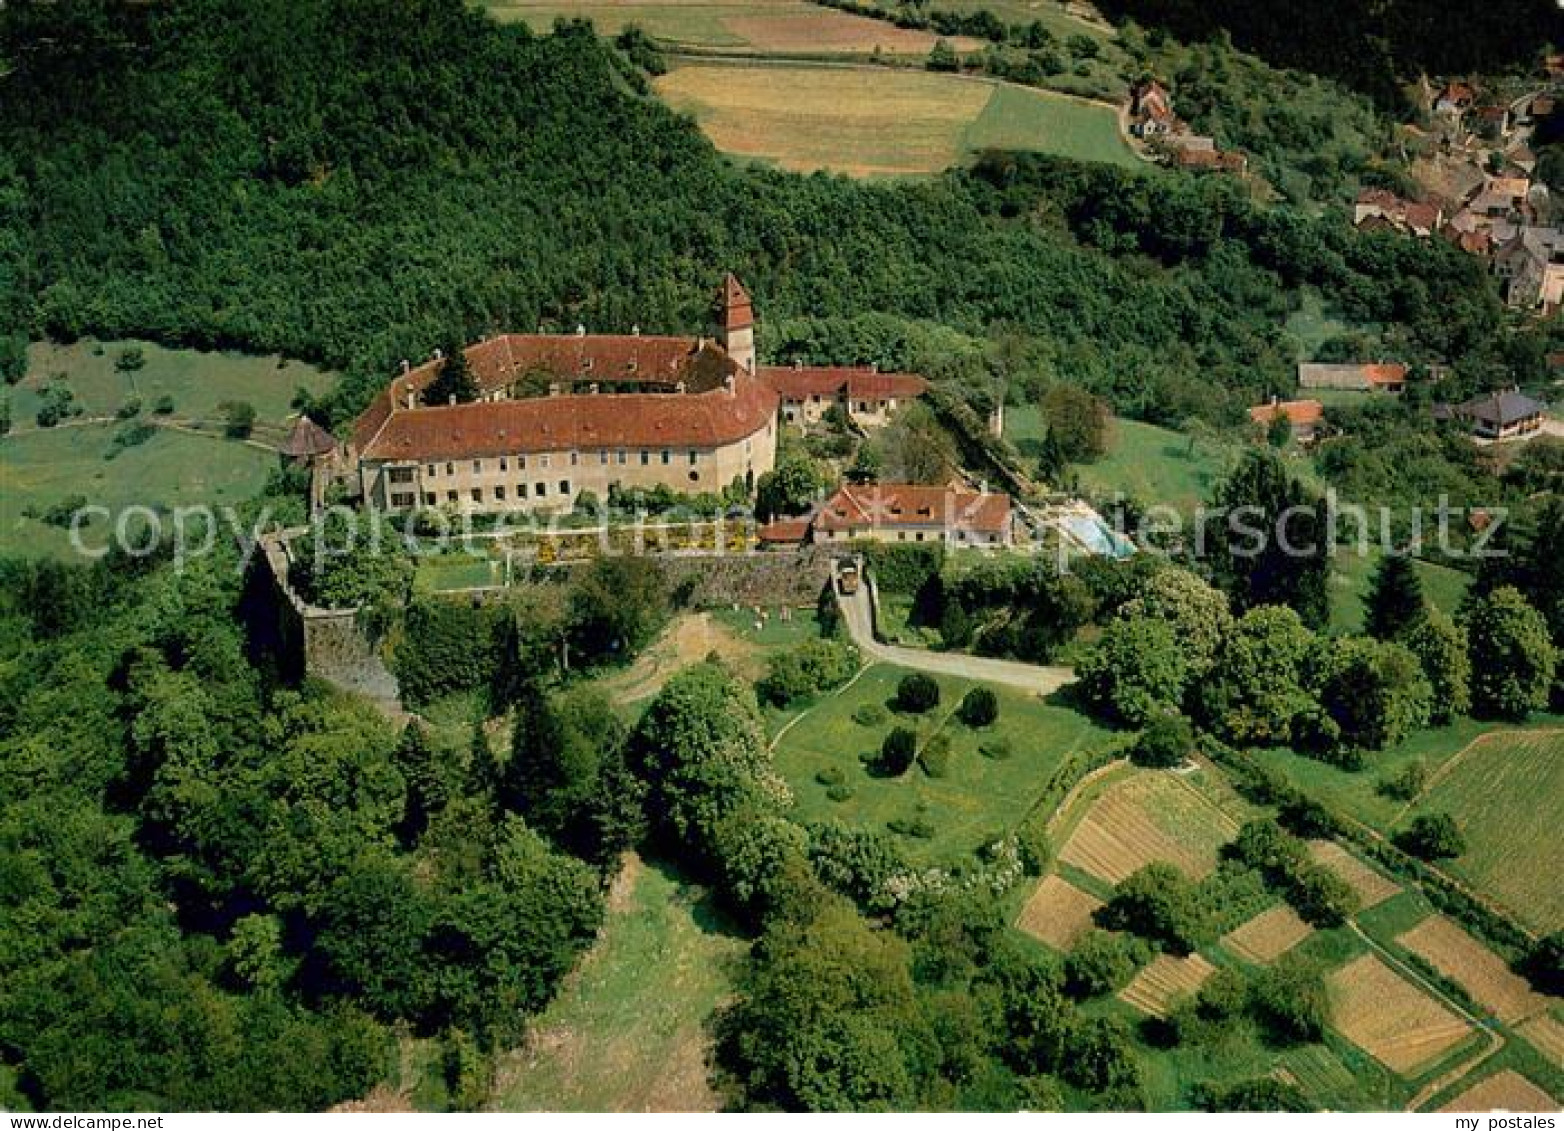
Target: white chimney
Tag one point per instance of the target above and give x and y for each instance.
(581, 330)
(438, 353)
(635, 330)
(451, 399)
(407, 366)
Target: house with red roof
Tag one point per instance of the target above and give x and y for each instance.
(956, 517)
(1304, 416)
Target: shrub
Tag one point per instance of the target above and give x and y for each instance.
(809, 669)
(917, 826)
(1167, 741)
(129, 409)
(998, 748)
(840, 792)
(1432, 836)
(871, 715)
(238, 419)
(917, 693)
(164, 405)
(1406, 784)
(898, 750)
(1288, 1001)
(980, 707)
(831, 775)
(1102, 963)
(1033, 844)
(130, 359)
(935, 756)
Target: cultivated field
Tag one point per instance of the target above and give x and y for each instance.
(1149, 816)
(628, 1030)
(1546, 1035)
(1505, 794)
(1503, 1091)
(1058, 913)
(1470, 964)
(980, 797)
(1165, 981)
(1372, 887)
(874, 121)
(1268, 936)
(760, 27)
(1389, 1018)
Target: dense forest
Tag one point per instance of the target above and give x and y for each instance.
(353, 181)
(1369, 46)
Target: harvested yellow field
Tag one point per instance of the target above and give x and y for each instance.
(1372, 888)
(1475, 968)
(1503, 1091)
(1389, 1018)
(1058, 913)
(1268, 936)
(1546, 1035)
(860, 122)
(1147, 817)
(1164, 981)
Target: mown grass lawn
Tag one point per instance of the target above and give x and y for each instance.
(1352, 574)
(1156, 466)
(980, 798)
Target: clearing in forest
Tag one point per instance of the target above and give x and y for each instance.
(1164, 981)
(1058, 913)
(628, 1031)
(1372, 888)
(1475, 968)
(1389, 1018)
(1507, 1090)
(1268, 936)
(1149, 816)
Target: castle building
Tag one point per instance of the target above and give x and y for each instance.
(561, 414)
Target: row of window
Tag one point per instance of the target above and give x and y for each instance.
(499, 494)
(621, 457)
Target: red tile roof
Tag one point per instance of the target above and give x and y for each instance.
(901, 504)
(575, 423)
(784, 531)
(798, 382)
(1296, 412)
(1386, 373)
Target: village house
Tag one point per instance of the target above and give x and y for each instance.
(900, 512)
(1151, 111)
(1380, 208)
(1510, 415)
(557, 415)
(1304, 417)
(1386, 377)
(1455, 99)
(1530, 268)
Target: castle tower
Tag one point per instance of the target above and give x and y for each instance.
(736, 317)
